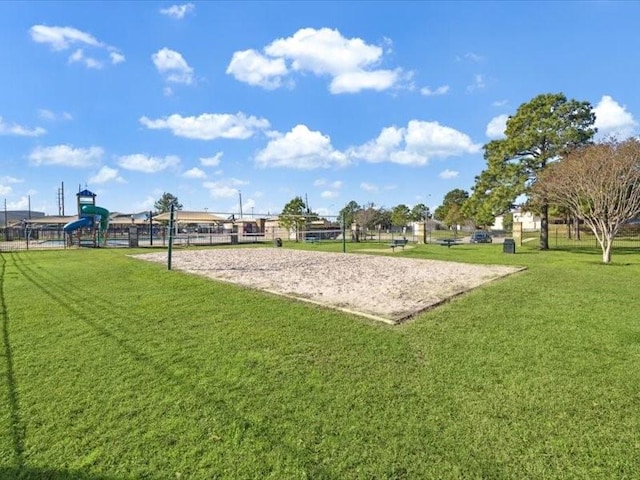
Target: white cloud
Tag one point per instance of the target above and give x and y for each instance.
(351, 62)
(330, 194)
(369, 187)
(5, 190)
(497, 126)
(116, 57)
(211, 161)
(224, 188)
(478, 83)
(448, 174)
(442, 90)
(209, 126)
(248, 204)
(300, 148)
(140, 162)
(353, 82)
(21, 204)
(146, 204)
(178, 11)
(194, 172)
(8, 179)
(63, 38)
(89, 62)
(321, 182)
(472, 57)
(19, 131)
(380, 149)
(257, 70)
(499, 103)
(172, 66)
(416, 144)
(613, 119)
(45, 114)
(324, 51)
(66, 156)
(106, 174)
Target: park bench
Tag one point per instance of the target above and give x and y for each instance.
(448, 242)
(398, 242)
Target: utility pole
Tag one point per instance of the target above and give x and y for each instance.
(29, 200)
(240, 195)
(61, 200)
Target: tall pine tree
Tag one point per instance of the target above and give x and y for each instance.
(541, 131)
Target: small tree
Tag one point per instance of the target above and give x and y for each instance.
(599, 184)
(507, 222)
(381, 218)
(294, 216)
(349, 212)
(455, 197)
(368, 216)
(163, 204)
(454, 217)
(400, 215)
(419, 213)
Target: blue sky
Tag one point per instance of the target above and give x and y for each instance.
(383, 102)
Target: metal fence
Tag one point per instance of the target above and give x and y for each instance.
(562, 235)
(20, 239)
(16, 239)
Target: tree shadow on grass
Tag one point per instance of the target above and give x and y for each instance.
(26, 473)
(89, 314)
(16, 427)
(596, 251)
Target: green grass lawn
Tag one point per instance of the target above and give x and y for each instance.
(113, 368)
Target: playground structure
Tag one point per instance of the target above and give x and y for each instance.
(91, 217)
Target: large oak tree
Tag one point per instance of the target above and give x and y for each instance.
(542, 130)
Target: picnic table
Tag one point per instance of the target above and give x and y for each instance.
(448, 242)
(398, 242)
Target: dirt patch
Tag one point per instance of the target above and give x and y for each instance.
(385, 288)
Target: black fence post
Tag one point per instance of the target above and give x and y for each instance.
(169, 250)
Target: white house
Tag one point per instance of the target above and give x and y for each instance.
(529, 220)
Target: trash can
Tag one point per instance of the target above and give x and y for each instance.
(278, 242)
(509, 245)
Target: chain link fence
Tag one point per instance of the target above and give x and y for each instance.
(563, 235)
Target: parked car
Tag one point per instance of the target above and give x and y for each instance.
(480, 236)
